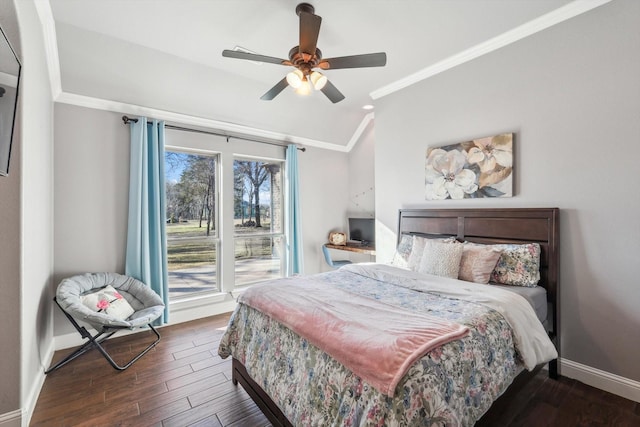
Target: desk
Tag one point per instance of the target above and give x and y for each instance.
(368, 250)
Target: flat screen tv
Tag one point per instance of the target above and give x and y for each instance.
(362, 230)
(9, 82)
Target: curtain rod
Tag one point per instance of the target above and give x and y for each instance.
(126, 121)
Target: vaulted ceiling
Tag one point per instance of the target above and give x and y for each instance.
(165, 55)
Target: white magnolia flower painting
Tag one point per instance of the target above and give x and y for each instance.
(473, 169)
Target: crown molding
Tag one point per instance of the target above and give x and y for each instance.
(359, 130)
(43, 9)
(550, 19)
(170, 116)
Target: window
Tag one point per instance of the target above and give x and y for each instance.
(193, 241)
(225, 218)
(258, 220)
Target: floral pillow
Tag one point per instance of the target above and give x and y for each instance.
(109, 301)
(441, 258)
(477, 262)
(519, 265)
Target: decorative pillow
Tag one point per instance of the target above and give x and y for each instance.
(519, 265)
(441, 258)
(477, 262)
(401, 257)
(107, 300)
(418, 247)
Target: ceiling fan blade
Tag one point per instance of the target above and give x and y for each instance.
(274, 91)
(309, 30)
(355, 61)
(254, 57)
(332, 92)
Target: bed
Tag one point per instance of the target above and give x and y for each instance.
(295, 382)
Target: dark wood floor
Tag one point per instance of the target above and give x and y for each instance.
(183, 382)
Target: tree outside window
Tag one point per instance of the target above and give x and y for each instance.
(257, 220)
(192, 238)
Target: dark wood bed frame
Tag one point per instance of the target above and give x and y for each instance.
(513, 225)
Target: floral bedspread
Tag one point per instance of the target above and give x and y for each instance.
(453, 385)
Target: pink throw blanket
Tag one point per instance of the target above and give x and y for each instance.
(376, 341)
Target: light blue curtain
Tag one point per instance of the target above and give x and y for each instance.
(295, 264)
(146, 239)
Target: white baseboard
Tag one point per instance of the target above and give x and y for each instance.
(32, 398)
(197, 308)
(621, 386)
(72, 339)
(36, 387)
(11, 419)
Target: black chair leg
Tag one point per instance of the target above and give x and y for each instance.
(135, 359)
(82, 350)
(96, 341)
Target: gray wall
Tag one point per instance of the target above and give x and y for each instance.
(572, 96)
(91, 191)
(26, 238)
(361, 187)
(324, 184)
(362, 175)
(91, 184)
(37, 202)
(10, 245)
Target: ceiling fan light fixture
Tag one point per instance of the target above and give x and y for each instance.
(318, 80)
(295, 79)
(304, 88)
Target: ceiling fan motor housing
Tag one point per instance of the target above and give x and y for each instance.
(304, 61)
(305, 7)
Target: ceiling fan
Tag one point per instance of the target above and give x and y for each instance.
(306, 57)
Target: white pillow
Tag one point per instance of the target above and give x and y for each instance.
(417, 248)
(109, 301)
(441, 258)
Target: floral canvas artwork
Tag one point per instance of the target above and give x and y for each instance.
(473, 169)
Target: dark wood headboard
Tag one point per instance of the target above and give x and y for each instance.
(510, 225)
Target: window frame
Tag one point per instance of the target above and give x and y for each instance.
(273, 235)
(216, 238)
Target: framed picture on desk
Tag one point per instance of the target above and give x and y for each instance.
(337, 238)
